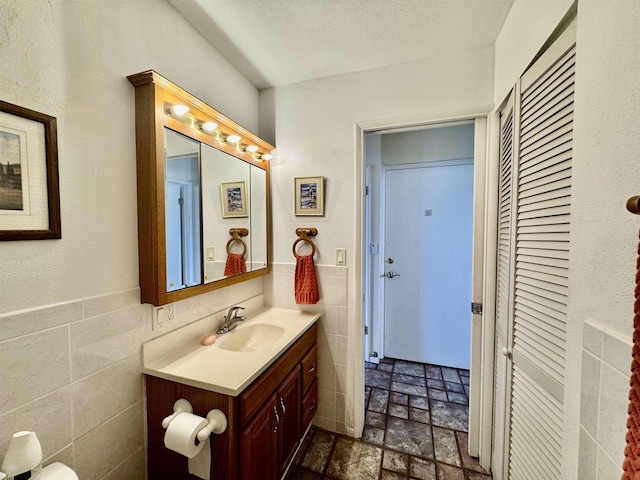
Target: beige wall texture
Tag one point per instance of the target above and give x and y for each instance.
(71, 323)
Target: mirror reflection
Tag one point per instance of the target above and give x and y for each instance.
(215, 211)
(258, 218)
(225, 207)
(182, 211)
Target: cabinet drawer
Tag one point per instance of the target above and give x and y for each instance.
(309, 368)
(309, 405)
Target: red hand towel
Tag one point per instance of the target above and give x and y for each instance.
(631, 466)
(306, 284)
(235, 264)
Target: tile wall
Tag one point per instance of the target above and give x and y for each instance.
(332, 336)
(71, 372)
(606, 361)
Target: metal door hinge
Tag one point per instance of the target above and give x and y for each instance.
(366, 330)
(476, 308)
(366, 190)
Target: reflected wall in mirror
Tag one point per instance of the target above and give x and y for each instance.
(203, 195)
(259, 219)
(224, 174)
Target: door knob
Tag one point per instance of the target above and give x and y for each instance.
(391, 274)
(507, 352)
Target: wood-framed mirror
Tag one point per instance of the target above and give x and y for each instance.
(204, 201)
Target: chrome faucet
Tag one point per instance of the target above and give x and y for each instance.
(231, 320)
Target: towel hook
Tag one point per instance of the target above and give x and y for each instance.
(236, 235)
(303, 235)
(633, 204)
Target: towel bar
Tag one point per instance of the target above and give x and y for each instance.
(303, 235)
(236, 235)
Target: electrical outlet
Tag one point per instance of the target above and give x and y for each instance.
(163, 316)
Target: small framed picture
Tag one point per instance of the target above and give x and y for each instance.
(29, 188)
(234, 199)
(309, 197)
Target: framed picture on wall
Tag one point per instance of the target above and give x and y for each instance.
(309, 196)
(234, 199)
(29, 189)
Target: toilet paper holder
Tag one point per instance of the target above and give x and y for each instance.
(217, 421)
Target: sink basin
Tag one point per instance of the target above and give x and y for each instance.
(251, 337)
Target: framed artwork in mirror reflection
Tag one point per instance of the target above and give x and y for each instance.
(234, 199)
(309, 196)
(29, 189)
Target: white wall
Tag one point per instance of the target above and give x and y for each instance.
(71, 323)
(315, 124)
(435, 144)
(70, 60)
(527, 27)
(605, 173)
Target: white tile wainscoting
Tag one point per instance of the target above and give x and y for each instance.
(332, 336)
(72, 373)
(606, 362)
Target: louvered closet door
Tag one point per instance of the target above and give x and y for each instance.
(504, 287)
(543, 204)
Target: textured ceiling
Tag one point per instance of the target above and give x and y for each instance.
(278, 42)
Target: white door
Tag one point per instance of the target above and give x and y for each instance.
(427, 251)
(533, 262)
(174, 218)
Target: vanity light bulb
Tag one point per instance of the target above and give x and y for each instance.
(252, 149)
(209, 126)
(267, 156)
(233, 138)
(180, 109)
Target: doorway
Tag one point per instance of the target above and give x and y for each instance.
(420, 211)
(371, 260)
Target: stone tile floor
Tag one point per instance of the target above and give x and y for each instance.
(415, 428)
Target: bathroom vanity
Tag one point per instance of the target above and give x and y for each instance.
(261, 375)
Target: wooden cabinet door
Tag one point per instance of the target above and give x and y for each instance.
(288, 402)
(258, 444)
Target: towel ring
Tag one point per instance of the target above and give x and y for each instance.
(236, 235)
(303, 236)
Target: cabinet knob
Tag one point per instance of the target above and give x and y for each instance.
(311, 368)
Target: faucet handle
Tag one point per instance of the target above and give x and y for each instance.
(232, 312)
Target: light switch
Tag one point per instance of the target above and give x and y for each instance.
(158, 320)
(341, 257)
(211, 254)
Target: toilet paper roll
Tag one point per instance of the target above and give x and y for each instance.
(181, 434)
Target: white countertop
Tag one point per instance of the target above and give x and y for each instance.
(180, 357)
